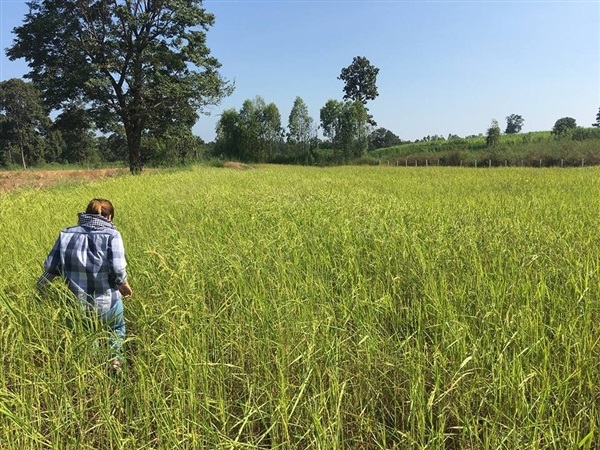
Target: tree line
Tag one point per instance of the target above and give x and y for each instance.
(127, 80)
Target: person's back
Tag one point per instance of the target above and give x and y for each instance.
(90, 257)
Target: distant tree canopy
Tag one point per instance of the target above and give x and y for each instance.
(24, 123)
(345, 123)
(144, 63)
(382, 138)
(563, 126)
(360, 82)
(253, 134)
(597, 123)
(76, 128)
(301, 132)
(493, 134)
(514, 124)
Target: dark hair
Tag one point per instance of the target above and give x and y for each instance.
(101, 206)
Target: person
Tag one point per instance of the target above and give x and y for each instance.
(90, 257)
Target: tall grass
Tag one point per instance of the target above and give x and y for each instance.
(338, 308)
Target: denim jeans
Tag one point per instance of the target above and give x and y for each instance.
(115, 322)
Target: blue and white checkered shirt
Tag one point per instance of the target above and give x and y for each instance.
(91, 258)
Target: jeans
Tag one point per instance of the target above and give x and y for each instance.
(115, 322)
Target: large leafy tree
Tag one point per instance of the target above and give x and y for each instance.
(143, 63)
(24, 123)
(382, 138)
(563, 126)
(514, 124)
(360, 80)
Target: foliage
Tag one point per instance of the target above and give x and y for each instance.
(493, 134)
(346, 124)
(301, 132)
(24, 123)
(533, 149)
(381, 138)
(253, 134)
(143, 63)
(597, 123)
(305, 308)
(113, 147)
(360, 82)
(76, 128)
(564, 126)
(514, 124)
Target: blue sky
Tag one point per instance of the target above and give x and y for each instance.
(445, 66)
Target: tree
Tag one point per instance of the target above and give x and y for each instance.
(76, 128)
(382, 138)
(493, 134)
(228, 140)
(360, 82)
(345, 123)
(23, 122)
(300, 126)
(514, 124)
(139, 62)
(597, 124)
(562, 127)
(253, 134)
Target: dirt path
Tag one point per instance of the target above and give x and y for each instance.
(42, 178)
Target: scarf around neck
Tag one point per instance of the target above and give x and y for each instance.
(95, 221)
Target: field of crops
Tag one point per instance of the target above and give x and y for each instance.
(316, 308)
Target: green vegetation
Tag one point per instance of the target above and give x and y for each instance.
(542, 148)
(335, 308)
(141, 66)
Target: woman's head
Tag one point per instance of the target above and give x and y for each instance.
(102, 207)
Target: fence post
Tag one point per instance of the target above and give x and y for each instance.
(489, 163)
(416, 162)
(475, 163)
(426, 163)
(562, 163)
(540, 163)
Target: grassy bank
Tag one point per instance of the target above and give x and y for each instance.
(290, 307)
(535, 149)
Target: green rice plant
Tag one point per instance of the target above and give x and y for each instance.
(316, 308)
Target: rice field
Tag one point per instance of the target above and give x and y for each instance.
(316, 308)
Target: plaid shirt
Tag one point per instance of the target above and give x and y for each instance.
(91, 258)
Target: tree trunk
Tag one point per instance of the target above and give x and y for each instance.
(134, 144)
(22, 150)
(134, 123)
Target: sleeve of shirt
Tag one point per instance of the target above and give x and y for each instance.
(52, 263)
(117, 259)
(51, 267)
